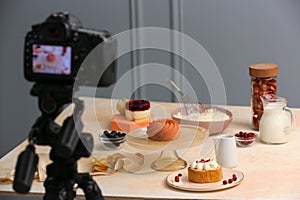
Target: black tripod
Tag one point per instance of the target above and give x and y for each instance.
(68, 144)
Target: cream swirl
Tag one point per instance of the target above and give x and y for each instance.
(121, 106)
(204, 164)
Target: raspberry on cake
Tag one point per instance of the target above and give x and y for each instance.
(205, 171)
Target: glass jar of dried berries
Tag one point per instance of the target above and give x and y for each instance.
(263, 81)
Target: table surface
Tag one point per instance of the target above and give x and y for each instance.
(271, 171)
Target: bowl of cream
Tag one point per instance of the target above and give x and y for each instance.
(215, 119)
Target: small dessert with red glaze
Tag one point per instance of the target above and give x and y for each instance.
(163, 130)
(205, 171)
(134, 114)
(244, 139)
(137, 110)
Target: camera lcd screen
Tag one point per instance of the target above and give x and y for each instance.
(51, 59)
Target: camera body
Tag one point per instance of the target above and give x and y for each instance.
(57, 51)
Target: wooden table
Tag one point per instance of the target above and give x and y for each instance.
(271, 171)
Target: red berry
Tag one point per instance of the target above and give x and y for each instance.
(224, 182)
(176, 178)
(229, 180)
(233, 175)
(252, 135)
(234, 178)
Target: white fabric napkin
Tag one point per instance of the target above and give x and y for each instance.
(125, 162)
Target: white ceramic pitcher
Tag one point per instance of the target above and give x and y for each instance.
(275, 123)
(226, 151)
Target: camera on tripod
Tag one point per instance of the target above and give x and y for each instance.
(59, 56)
(55, 51)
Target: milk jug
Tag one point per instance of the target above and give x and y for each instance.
(277, 120)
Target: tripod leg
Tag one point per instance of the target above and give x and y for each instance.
(60, 181)
(59, 190)
(89, 187)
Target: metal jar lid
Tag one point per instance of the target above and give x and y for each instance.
(263, 70)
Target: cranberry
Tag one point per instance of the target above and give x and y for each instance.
(234, 178)
(230, 181)
(251, 135)
(176, 178)
(224, 182)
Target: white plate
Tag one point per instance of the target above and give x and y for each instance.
(204, 187)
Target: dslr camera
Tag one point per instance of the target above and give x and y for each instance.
(60, 50)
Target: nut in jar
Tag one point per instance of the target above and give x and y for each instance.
(263, 82)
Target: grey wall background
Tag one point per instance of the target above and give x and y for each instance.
(235, 33)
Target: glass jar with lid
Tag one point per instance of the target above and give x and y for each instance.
(263, 81)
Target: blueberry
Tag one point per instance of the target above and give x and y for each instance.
(123, 134)
(113, 134)
(106, 133)
(119, 134)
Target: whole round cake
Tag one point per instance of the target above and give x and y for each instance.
(163, 130)
(205, 171)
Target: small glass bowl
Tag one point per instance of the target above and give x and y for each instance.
(245, 142)
(111, 143)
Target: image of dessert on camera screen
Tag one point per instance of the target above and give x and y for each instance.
(51, 59)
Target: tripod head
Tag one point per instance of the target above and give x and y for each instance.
(52, 100)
